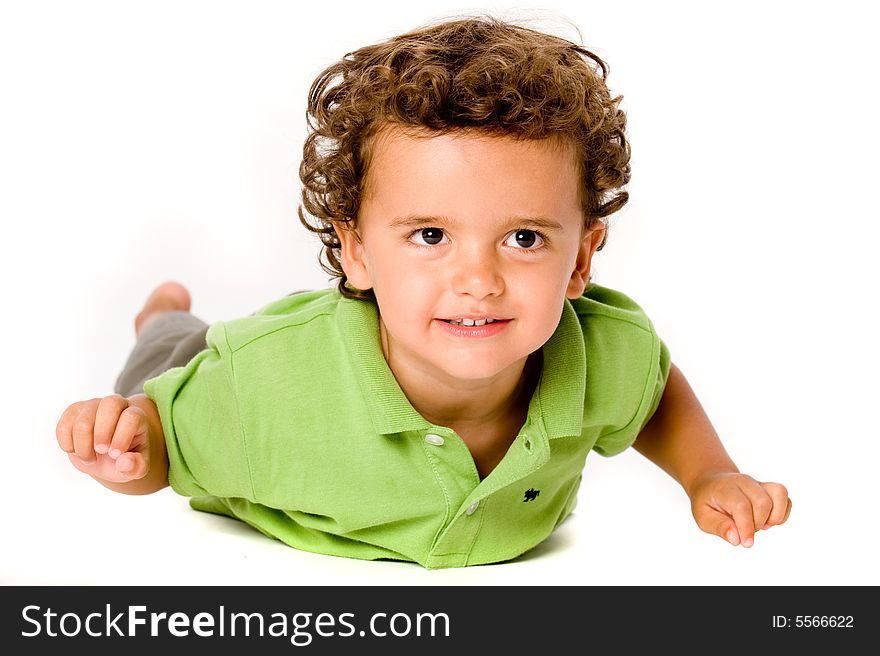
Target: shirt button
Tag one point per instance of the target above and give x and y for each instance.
(472, 508)
(436, 440)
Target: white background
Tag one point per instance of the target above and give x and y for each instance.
(147, 141)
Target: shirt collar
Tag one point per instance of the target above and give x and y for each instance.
(557, 403)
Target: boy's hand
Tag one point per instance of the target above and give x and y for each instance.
(106, 438)
(735, 506)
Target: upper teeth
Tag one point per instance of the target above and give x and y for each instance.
(471, 322)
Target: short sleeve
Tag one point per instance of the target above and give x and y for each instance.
(658, 372)
(198, 406)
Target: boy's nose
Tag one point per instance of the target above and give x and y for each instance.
(477, 276)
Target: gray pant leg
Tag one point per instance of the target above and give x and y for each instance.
(170, 340)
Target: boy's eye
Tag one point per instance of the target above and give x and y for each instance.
(526, 239)
(431, 236)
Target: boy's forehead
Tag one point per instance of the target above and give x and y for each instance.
(394, 148)
(467, 172)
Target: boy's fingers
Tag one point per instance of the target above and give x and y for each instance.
(762, 505)
(80, 465)
(737, 512)
(109, 410)
(64, 428)
(104, 469)
(743, 517)
(130, 426)
(781, 503)
(83, 431)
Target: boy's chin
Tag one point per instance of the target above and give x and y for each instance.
(473, 369)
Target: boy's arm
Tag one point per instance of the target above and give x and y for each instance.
(680, 439)
(117, 441)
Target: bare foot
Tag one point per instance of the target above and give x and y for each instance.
(166, 297)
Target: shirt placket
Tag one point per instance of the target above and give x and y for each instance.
(468, 498)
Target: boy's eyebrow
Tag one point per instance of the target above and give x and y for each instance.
(516, 221)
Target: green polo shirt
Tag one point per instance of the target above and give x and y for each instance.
(292, 421)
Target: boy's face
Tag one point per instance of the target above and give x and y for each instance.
(471, 245)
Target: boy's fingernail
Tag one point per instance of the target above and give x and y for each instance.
(101, 448)
(732, 538)
(748, 542)
(124, 466)
(765, 527)
(115, 453)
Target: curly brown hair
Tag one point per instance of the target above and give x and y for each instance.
(480, 73)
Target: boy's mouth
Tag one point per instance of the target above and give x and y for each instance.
(472, 322)
(470, 328)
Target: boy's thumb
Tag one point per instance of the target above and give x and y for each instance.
(729, 533)
(131, 465)
(715, 522)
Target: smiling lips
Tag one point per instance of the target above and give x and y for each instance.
(474, 327)
(470, 322)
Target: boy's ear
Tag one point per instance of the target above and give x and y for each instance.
(581, 274)
(352, 258)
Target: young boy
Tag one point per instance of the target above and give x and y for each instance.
(438, 405)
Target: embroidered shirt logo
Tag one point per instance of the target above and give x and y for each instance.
(531, 494)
